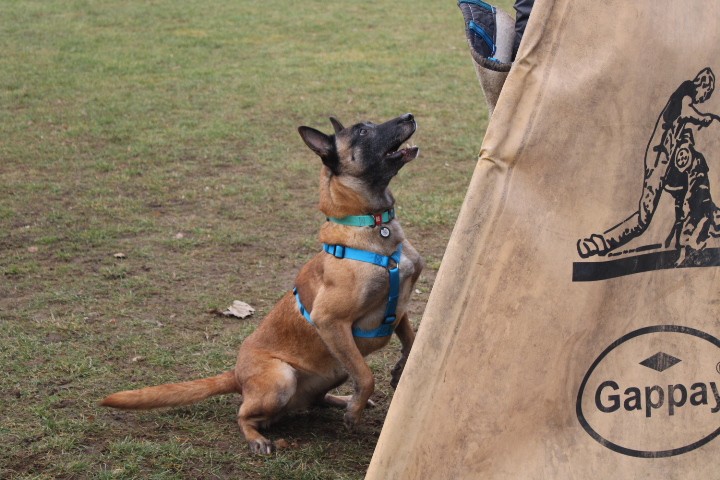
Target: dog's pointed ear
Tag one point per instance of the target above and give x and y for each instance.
(336, 124)
(321, 144)
(318, 142)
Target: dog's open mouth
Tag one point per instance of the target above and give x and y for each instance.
(405, 154)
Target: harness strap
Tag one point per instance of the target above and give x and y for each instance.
(387, 327)
(304, 311)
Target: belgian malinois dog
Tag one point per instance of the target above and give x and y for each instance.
(347, 301)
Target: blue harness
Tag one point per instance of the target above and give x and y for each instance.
(387, 327)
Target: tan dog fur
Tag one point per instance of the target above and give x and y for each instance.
(286, 364)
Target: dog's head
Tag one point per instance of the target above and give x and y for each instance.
(368, 152)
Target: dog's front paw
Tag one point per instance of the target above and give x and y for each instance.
(397, 371)
(351, 420)
(262, 446)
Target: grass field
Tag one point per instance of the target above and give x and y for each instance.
(166, 131)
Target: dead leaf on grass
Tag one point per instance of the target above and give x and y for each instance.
(137, 359)
(281, 443)
(32, 249)
(237, 309)
(119, 255)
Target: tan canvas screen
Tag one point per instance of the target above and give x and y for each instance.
(572, 332)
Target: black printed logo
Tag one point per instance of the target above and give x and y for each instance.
(676, 167)
(656, 405)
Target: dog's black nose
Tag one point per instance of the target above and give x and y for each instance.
(408, 117)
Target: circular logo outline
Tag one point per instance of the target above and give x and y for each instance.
(629, 451)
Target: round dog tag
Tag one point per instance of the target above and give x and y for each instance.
(384, 232)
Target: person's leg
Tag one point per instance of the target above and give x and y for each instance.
(522, 14)
(698, 208)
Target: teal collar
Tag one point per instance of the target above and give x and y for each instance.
(369, 220)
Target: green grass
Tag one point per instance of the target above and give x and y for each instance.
(167, 131)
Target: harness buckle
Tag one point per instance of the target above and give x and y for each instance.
(378, 219)
(339, 251)
(389, 320)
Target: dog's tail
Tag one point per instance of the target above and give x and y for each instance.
(173, 394)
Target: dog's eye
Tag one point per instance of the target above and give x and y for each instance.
(363, 132)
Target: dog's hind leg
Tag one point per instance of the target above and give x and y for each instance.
(265, 396)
